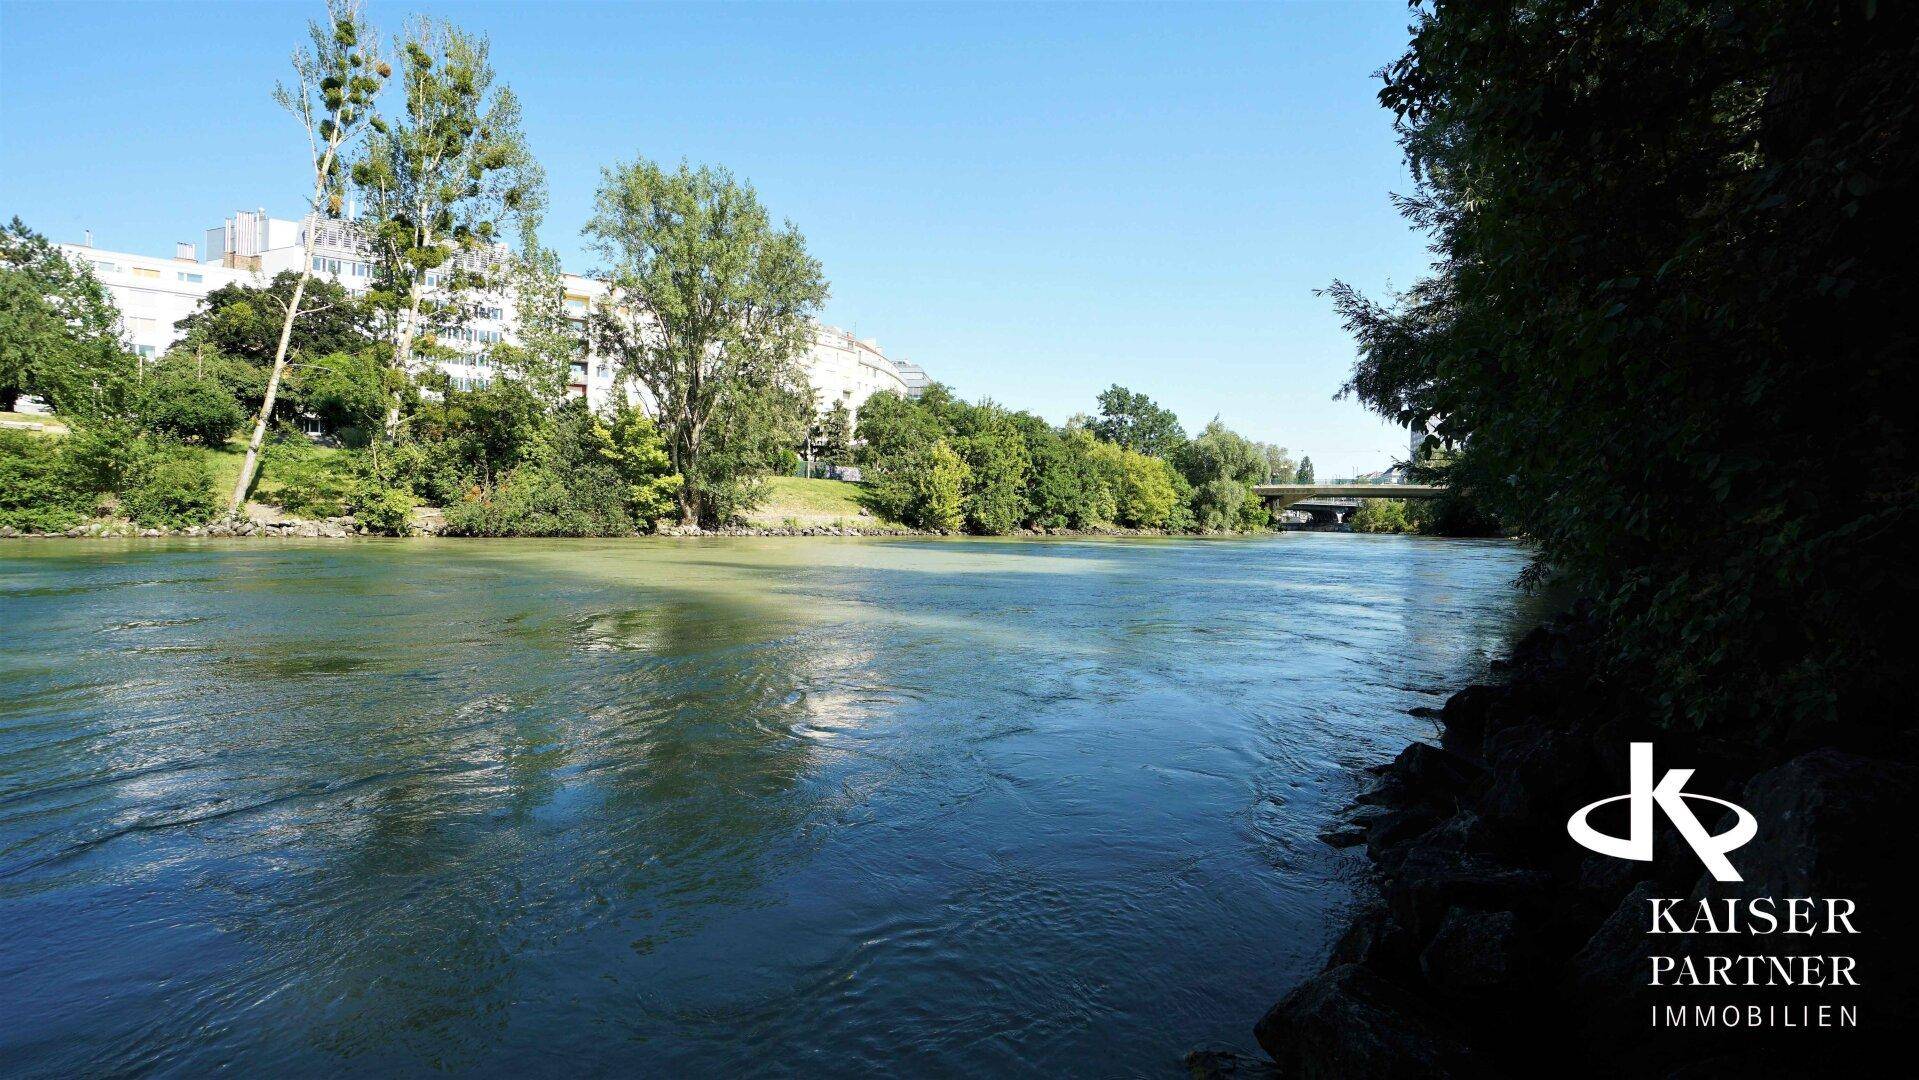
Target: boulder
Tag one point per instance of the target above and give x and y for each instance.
(1440, 777)
(1226, 1065)
(1376, 940)
(1349, 1022)
(1539, 777)
(1473, 952)
(1431, 881)
(1396, 827)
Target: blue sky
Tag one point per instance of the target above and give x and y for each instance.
(1031, 201)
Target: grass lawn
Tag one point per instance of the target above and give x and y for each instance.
(796, 500)
(45, 423)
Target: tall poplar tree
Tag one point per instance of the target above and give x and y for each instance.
(441, 181)
(336, 79)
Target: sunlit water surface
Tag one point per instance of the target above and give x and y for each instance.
(758, 807)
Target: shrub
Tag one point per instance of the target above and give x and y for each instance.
(935, 481)
(637, 451)
(100, 452)
(1381, 516)
(169, 486)
(305, 479)
(383, 508)
(174, 402)
(536, 500)
(39, 491)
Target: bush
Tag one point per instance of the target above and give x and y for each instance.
(1381, 516)
(536, 500)
(935, 482)
(309, 480)
(169, 486)
(383, 508)
(39, 490)
(99, 453)
(174, 402)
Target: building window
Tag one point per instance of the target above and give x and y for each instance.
(191, 278)
(145, 272)
(106, 267)
(576, 305)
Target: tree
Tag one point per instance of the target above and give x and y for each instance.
(1147, 493)
(638, 451)
(548, 343)
(346, 390)
(836, 432)
(1304, 474)
(441, 182)
(1279, 465)
(708, 306)
(1222, 465)
(998, 467)
(1133, 421)
(59, 331)
(1660, 334)
(935, 480)
(335, 82)
(176, 399)
(244, 321)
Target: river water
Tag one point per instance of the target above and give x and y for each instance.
(760, 807)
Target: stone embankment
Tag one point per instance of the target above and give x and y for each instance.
(334, 528)
(345, 527)
(1489, 943)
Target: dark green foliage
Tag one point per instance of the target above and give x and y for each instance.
(996, 459)
(382, 507)
(59, 335)
(347, 391)
(168, 486)
(1022, 472)
(1136, 423)
(568, 483)
(833, 433)
(178, 399)
(244, 322)
(1303, 474)
(1665, 330)
(39, 489)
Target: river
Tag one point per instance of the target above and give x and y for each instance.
(709, 807)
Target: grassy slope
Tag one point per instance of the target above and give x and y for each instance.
(814, 502)
(43, 423)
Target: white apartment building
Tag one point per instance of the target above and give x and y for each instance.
(153, 294)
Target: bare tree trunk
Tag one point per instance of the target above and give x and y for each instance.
(273, 381)
(403, 352)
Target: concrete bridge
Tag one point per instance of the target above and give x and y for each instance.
(1330, 504)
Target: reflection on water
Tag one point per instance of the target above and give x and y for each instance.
(807, 807)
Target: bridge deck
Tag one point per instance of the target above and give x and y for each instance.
(1296, 492)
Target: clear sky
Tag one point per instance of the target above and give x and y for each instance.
(1031, 201)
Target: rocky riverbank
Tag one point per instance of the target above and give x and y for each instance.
(1489, 943)
(345, 527)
